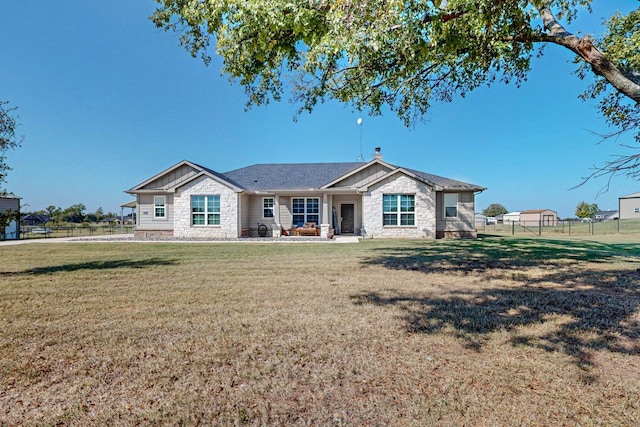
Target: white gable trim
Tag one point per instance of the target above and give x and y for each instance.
(164, 172)
(403, 172)
(213, 177)
(140, 187)
(360, 169)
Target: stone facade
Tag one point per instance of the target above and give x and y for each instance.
(425, 199)
(149, 233)
(205, 186)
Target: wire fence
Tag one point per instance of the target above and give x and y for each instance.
(44, 232)
(567, 227)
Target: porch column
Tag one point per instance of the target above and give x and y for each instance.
(277, 227)
(325, 225)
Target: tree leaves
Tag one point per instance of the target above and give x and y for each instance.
(402, 54)
(8, 138)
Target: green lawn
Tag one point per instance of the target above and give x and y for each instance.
(498, 331)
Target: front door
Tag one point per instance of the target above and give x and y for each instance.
(347, 214)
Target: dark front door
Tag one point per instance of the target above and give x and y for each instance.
(347, 214)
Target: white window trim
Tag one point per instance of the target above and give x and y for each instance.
(444, 205)
(399, 213)
(306, 214)
(206, 212)
(272, 208)
(163, 206)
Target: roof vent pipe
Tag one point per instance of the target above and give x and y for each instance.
(377, 155)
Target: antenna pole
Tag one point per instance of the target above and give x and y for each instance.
(360, 158)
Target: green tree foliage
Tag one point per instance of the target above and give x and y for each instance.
(494, 209)
(74, 213)
(50, 210)
(8, 138)
(586, 210)
(404, 54)
(5, 219)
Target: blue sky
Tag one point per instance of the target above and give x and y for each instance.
(106, 101)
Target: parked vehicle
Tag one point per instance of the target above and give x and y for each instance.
(41, 230)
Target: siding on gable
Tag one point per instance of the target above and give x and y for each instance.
(363, 177)
(425, 223)
(173, 178)
(146, 220)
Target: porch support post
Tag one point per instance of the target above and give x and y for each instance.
(277, 227)
(324, 227)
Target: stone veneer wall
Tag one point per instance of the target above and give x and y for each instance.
(147, 233)
(443, 234)
(206, 186)
(425, 224)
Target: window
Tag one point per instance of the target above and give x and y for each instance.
(267, 207)
(305, 210)
(450, 205)
(398, 209)
(205, 210)
(159, 207)
(636, 210)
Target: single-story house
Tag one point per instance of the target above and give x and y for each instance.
(537, 217)
(34, 219)
(606, 216)
(374, 199)
(10, 203)
(629, 206)
(109, 220)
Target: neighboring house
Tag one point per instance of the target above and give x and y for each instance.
(12, 203)
(511, 218)
(31, 220)
(481, 220)
(374, 199)
(629, 206)
(536, 217)
(109, 220)
(606, 216)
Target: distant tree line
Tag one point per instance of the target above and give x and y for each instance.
(73, 214)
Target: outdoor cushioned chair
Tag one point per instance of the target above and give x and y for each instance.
(308, 229)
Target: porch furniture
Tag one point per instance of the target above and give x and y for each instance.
(308, 229)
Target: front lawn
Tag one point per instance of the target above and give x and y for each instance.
(498, 331)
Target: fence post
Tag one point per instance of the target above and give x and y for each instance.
(513, 228)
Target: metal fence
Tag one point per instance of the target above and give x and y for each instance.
(566, 227)
(43, 232)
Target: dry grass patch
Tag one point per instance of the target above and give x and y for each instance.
(495, 332)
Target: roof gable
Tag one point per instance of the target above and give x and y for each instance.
(295, 177)
(178, 175)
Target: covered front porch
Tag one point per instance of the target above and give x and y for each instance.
(303, 213)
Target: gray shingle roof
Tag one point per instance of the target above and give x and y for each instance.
(289, 176)
(306, 176)
(446, 183)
